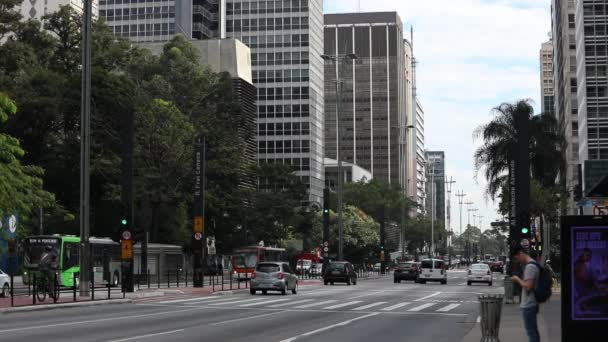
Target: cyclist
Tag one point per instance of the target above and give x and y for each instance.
(48, 267)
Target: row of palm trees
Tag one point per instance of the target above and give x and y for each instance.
(545, 148)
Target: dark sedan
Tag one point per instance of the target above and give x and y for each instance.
(497, 266)
(407, 271)
(340, 272)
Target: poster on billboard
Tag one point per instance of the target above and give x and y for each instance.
(584, 242)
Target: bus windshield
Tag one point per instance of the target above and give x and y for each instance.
(245, 259)
(34, 247)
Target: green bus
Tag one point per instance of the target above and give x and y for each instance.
(105, 258)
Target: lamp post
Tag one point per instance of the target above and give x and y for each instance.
(460, 196)
(471, 210)
(337, 59)
(449, 238)
(405, 179)
(432, 167)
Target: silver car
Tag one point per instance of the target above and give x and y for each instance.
(5, 289)
(273, 276)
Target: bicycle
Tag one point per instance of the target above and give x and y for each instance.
(43, 288)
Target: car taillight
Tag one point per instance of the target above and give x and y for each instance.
(253, 275)
(281, 275)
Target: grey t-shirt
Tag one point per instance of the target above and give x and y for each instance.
(528, 299)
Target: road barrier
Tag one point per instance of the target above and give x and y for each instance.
(491, 309)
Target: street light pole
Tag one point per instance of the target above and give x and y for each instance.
(85, 143)
(336, 60)
(460, 196)
(405, 180)
(449, 238)
(432, 167)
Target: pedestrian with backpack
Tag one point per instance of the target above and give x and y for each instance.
(536, 288)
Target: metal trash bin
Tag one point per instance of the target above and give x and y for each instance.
(491, 309)
(509, 294)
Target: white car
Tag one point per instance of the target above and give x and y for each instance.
(5, 287)
(433, 270)
(479, 273)
(303, 266)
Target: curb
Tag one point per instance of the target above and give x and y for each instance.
(63, 305)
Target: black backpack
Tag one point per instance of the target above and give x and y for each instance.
(542, 290)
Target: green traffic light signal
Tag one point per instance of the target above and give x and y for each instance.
(123, 221)
(525, 230)
(326, 211)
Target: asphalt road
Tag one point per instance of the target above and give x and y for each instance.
(372, 310)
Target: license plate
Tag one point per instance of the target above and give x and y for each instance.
(335, 272)
(427, 275)
(478, 278)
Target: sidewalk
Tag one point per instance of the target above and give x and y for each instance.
(512, 327)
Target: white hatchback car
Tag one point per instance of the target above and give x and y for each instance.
(5, 287)
(479, 273)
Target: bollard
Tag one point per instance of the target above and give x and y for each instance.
(491, 309)
(186, 277)
(148, 277)
(230, 280)
(12, 294)
(168, 279)
(213, 288)
(158, 278)
(509, 290)
(109, 294)
(238, 280)
(222, 279)
(55, 289)
(29, 284)
(35, 287)
(92, 287)
(74, 287)
(177, 277)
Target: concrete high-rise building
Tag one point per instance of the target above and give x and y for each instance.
(547, 94)
(419, 176)
(233, 57)
(286, 41)
(435, 185)
(374, 108)
(565, 87)
(36, 9)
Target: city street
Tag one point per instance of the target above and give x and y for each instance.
(373, 309)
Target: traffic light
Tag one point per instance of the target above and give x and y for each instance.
(525, 230)
(577, 193)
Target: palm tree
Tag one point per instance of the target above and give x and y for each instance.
(499, 135)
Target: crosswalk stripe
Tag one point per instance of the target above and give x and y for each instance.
(342, 305)
(239, 301)
(215, 300)
(290, 303)
(265, 302)
(393, 307)
(187, 300)
(369, 306)
(315, 304)
(448, 307)
(422, 307)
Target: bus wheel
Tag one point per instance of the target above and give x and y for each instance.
(115, 279)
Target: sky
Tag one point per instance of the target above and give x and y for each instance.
(472, 55)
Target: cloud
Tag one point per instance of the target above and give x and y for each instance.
(473, 55)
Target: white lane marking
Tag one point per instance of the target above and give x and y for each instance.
(341, 324)
(217, 300)
(421, 307)
(367, 294)
(342, 305)
(429, 296)
(239, 301)
(247, 318)
(393, 307)
(55, 325)
(146, 336)
(315, 304)
(265, 302)
(465, 283)
(290, 303)
(448, 307)
(369, 306)
(188, 300)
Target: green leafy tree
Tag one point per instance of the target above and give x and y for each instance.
(20, 185)
(9, 16)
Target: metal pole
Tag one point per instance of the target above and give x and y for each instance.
(340, 179)
(432, 210)
(85, 139)
(449, 216)
(460, 201)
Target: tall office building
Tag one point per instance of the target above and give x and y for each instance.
(286, 44)
(374, 109)
(435, 185)
(546, 78)
(592, 76)
(36, 9)
(419, 176)
(148, 20)
(565, 87)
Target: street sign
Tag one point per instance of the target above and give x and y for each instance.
(525, 243)
(199, 224)
(126, 235)
(325, 249)
(325, 243)
(126, 249)
(198, 236)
